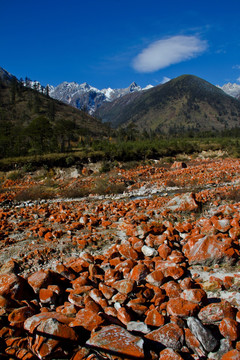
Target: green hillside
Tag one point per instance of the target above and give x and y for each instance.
(33, 123)
(186, 103)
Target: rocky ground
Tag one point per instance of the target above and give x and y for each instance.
(149, 273)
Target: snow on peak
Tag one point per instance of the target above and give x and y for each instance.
(232, 89)
(85, 96)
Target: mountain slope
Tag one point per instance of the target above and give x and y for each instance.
(22, 110)
(182, 104)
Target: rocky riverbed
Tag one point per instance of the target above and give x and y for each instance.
(152, 272)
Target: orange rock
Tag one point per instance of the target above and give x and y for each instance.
(169, 354)
(193, 343)
(124, 286)
(155, 278)
(139, 273)
(208, 250)
(19, 315)
(127, 251)
(47, 296)
(231, 355)
(118, 340)
(87, 319)
(182, 308)
(172, 288)
(123, 315)
(81, 354)
(97, 296)
(11, 286)
(40, 279)
(184, 202)
(229, 328)
(32, 322)
(216, 312)
(197, 296)
(164, 251)
(107, 291)
(154, 318)
(170, 335)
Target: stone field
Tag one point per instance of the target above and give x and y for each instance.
(149, 273)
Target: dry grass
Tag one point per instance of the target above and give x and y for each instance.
(36, 192)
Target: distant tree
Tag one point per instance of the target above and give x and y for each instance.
(51, 110)
(40, 134)
(47, 90)
(65, 131)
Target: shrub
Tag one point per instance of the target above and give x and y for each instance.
(14, 175)
(36, 192)
(104, 187)
(74, 192)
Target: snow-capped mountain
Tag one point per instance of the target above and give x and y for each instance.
(87, 97)
(232, 89)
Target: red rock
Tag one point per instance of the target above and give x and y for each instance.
(171, 269)
(53, 327)
(127, 251)
(216, 312)
(172, 288)
(209, 250)
(87, 319)
(184, 202)
(178, 165)
(76, 299)
(124, 286)
(52, 333)
(19, 315)
(81, 354)
(32, 322)
(222, 225)
(67, 309)
(119, 298)
(164, 251)
(169, 354)
(118, 340)
(107, 291)
(90, 304)
(231, 355)
(182, 308)
(97, 296)
(81, 280)
(229, 328)
(186, 283)
(123, 315)
(155, 278)
(40, 279)
(197, 296)
(193, 343)
(139, 273)
(47, 296)
(48, 236)
(10, 285)
(170, 335)
(154, 318)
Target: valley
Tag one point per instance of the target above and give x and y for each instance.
(119, 236)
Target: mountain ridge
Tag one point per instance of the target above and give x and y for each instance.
(186, 103)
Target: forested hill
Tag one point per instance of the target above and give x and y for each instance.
(186, 103)
(31, 122)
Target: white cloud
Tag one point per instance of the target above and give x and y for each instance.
(165, 52)
(238, 79)
(236, 67)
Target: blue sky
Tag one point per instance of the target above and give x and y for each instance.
(111, 43)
